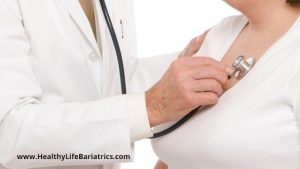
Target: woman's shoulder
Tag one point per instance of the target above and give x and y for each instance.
(230, 23)
(228, 27)
(221, 34)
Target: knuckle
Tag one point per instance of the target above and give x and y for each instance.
(210, 70)
(202, 70)
(219, 90)
(212, 98)
(223, 77)
(217, 74)
(214, 84)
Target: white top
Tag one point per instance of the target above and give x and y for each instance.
(256, 124)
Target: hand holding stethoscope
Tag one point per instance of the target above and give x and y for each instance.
(241, 67)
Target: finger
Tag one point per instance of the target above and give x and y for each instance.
(206, 61)
(194, 45)
(207, 85)
(206, 98)
(209, 72)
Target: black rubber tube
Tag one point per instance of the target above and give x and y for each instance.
(116, 45)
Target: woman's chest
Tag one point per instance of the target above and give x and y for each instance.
(252, 121)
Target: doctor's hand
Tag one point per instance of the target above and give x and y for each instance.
(187, 84)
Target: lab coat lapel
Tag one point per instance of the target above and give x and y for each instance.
(79, 17)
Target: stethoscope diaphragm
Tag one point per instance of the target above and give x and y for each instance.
(241, 67)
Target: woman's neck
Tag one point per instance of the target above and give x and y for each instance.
(274, 16)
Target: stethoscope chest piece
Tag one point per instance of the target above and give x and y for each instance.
(242, 66)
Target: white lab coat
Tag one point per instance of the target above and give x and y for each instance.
(59, 88)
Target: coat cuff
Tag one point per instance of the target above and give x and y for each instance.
(138, 118)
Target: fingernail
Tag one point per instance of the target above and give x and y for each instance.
(229, 70)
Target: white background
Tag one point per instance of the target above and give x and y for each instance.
(165, 26)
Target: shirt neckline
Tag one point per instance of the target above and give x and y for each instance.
(266, 56)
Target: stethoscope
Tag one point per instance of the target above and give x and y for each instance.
(241, 67)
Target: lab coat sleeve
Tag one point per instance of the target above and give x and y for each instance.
(145, 73)
(148, 71)
(30, 127)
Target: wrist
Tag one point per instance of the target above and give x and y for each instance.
(153, 110)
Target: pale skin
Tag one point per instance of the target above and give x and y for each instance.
(265, 27)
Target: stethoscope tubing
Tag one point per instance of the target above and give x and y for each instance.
(116, 45)
(176, 125)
